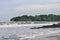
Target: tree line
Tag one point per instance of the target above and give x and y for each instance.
(50, 17)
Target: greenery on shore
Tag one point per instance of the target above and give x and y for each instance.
(50, 17)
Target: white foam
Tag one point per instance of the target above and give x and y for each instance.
(48, 32)
(23, 25)
(43, 34)
(20, 25)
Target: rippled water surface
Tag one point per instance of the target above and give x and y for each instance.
(25, 33)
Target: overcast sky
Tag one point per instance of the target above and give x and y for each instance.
(12, 8)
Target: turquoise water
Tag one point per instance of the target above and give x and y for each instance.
(28, 34)
(37, 22)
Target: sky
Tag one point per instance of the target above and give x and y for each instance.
(13, 8)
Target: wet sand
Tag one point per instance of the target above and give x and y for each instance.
(57, 37)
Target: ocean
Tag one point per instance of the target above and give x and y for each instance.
(25, 33)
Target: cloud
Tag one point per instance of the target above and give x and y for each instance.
(18, 1)
(52, 0)
(38, 1)
(37, 7)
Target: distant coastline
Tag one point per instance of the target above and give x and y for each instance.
(50, 17)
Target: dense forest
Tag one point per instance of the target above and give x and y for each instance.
(50, 17)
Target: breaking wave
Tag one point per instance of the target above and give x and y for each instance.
(33, 24)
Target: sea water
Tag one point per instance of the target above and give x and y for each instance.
(25, 33)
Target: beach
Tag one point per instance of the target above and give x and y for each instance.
(57, 37)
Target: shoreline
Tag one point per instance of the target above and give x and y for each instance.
(57, 37)
(23, 25)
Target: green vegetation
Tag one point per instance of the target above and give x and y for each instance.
(49, 17)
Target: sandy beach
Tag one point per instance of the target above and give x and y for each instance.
(57, 37)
